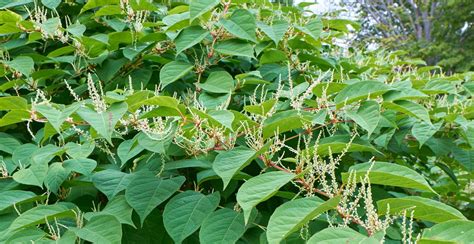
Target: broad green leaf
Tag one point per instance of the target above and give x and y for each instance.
(424, 209)
(189, 37)
(367, 116)
(218, 82)
(104, 122)
(339, 143)
(241, 24)
(410, 108)
(262, 108)
(83, 166)
(14, 117)
(422, 131)
(173, 71)
(51, 4)
(101, 229)
(456, 231)
(229, 163)
(76, 150)
(327, 88)
(118, 207)
(360, 90)
(8, 143)
(55, 177)
(13, 103)
(224, 117)
(176, 21)
(161, 101)
(98, 3)
(465, 157)
(39, 215)
(292, 215)
(275, 31)
(285, 121)
(199, 7)
(33, 175)
(389, 174)
(313, 28)
(110, 182)
(56, 117)
(14, 197)
(260, 188)
(273, 56)
(22, 64)
(235, 47)
(337, 235)
(29, 235)
(185, 212)
(146, 191)
(222, 227)
(188, 163)
(156, 143)
(128, 149)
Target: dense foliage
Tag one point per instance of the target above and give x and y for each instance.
(220, 122)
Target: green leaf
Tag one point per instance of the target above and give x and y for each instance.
(389, 174)
(51, 4)
(33, 175)
(423, 131)
(14, 197)
(241, 24)
(13, 103)
(292, 215)
(261, 188)
(313, 28)
(128, 149)
(275, 31)
(8, 143)
(56, 117)
(337, 235)
(285, 121)
(118, 207)
(465, 157)
(229, 163)
(110, 182)
(218, 82)
(75, 150)
(367, 116)
(55, 177)
(146, 191)
(39, 215)
(189, 37)
(458, 231)
(83, 166)
(98, 3)
(410, 108)
(339, 143)
(360, 90)
(22, 64)
(173, 71)
(424, 209)
(222, 226)
(104, 123)
(185, 212)
(273, 56)
(101, 229)
(235, 47)
(199, 7)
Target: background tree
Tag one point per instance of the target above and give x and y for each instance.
(438, 31)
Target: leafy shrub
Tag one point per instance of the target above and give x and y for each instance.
(219, 122)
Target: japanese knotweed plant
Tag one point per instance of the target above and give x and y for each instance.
(128, 121)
